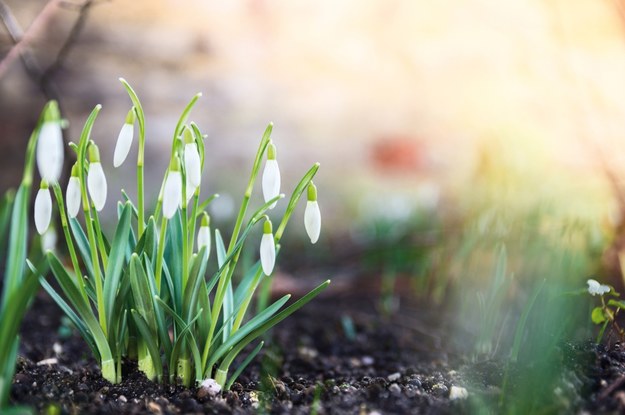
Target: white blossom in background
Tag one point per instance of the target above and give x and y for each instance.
(50, 146)
(204, 234)
(43, 208)
(267, 249)
(96, 180)
(48, 240)
(458, 392)
(271, 176)
(172, 191)
(595, 288)
(72, 194)
(312, 215)
(124, 139)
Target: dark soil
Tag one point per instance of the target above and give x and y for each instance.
(392, 366)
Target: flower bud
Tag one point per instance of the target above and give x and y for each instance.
(192, 163)
(267, 249)
(72, 196)
(312, 215)
(172, 191)
(595, 288)
(124, 139)
(271, 176)
(96, 181)
(43, 208)
(50, 145)
(204, 234)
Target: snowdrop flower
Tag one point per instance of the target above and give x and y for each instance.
(50, 145)
(271, 176)
(72, 195)
(204, 234)
(96, 181)
(594, 288)
(267, 249)
(192, 163)
(48, 240)
(124, 139)
(43, 208)
(312, 215)
(172, 191)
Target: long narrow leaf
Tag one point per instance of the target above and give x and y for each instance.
(116, 261)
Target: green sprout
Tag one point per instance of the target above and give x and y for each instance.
(605, 314)
(145, 294)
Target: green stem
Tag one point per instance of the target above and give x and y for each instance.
(159, 256)
(70, 244)
(145, 362)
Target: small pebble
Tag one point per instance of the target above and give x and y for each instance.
(394, 389)
(208, 387)
(58, 349)
(50, 361)
(393, 377)
(307, 353)
(155, 408)
(122, 399)
(367, 360)
(457, 392)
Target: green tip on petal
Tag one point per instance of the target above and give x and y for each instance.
(131, 116)
(271, 151)
(187, 135)
(43, 185)
(94, 153)
(267, 227)
(206, 220)
(52, 112)
(75, 170)
(174, 165)
(312, 192)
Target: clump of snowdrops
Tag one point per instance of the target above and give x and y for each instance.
(144, 294)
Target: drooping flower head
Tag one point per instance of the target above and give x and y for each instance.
(204, 234)
(43, 208)
(96, 180)
(192, 163)
(312, 214)
(267, 248)
(271, 176)
(50, 145)
(595, 288)
(172, 191)
(72, 195)
(49, 239)
(124, 139)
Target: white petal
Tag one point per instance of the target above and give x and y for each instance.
(271, 181)
(192, 164)
(72, 197)
(267, 253)
(312, 220)
(48, 240)
(172, 194)
(204, 238)
(96, 184)
(594, 288)
(190, 189)
(50, 152)
(124, 141)
(43, 210)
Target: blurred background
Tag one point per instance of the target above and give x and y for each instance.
(470, 151)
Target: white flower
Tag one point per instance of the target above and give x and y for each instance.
(594, 288)
(190, 191)
(204, 238)
(50, 151)
(172, 193)
(43, 209)
(96, 184)
(267, 249)
(72, 196)
(192, 164)
(124, 141)
(458, 392)
(312, 220)
(271, 176)
(48, 240)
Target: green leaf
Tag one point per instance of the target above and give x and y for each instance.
(147, 337)
(83, 247)
(192, 290)
(141, 293)
(116, 261)
(17, 244)
(597, 315)
(6, 207)
(243, 365)
(616, 303)
(185, 115)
